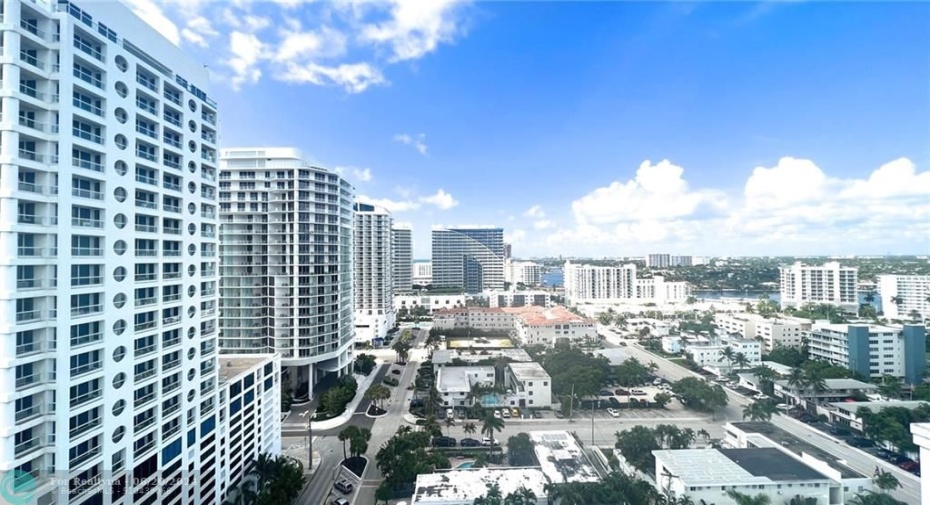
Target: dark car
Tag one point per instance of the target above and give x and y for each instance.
(909, 465)
(537, 414)
(861, 442)
(395, 372)
(839, 430)
(621, 392)
(470, 442)
(622, 344)
(444, 442)
(605, 392)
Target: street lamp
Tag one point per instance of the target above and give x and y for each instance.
(310, 442)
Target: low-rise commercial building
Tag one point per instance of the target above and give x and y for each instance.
(480, 318)
(449, 357)
(454, 383)
(463, 487)
(835, 390)
(671, 345)
(431, 303)
(772, 332)
(526, 385)
(921, 433)
(561, 459)
(844, 413)
(705, 475)
(872, 350)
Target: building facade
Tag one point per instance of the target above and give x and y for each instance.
(549, 326)
(519, 298)
(619, 284)
(422, 272)
(830, 283)
(903, 296)
(710, 355)
(468, 258)
(484, 319)
(286, 249)
(374, 273)
(129, 391)
(432, 303)
(522, 272)
(872, 350)
(403, 257)
(772, 332)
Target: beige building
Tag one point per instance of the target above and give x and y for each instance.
(772, 332)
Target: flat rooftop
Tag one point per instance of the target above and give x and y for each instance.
(528, 371)
(444, 356)
(542, 316)
(794, 444)
(457, 379)
(560, 457)
(754, 466)
(458, 486)
(231, 366)
(844, 328)
(852, 407)
(838, 384)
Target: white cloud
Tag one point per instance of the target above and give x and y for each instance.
(354, 78)
(299, 45)
(535, 211)
(391, 205)
(791, 207)
(199, 31)
(151, 13)
(441, 199)
(355, 173)
(543, 224)
(418, 142)
(415, 28)
(247, 50)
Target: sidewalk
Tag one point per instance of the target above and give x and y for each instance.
(296, 422)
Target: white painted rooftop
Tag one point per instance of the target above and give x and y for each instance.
(464, 486)
(561, 458)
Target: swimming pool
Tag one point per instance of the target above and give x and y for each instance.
(466, 465)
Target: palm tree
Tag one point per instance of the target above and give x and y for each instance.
(377, 393)
(801, 500)
(797, 379)
(886, 482)
(469, 428)
(489, 425)
(728, 354)
(449, 422)
(897, 300)
(741, 361)
(745, 499)
(244, 494)
(522, 496)
(815, 382)
(870, 296)
(914, 315)
(703, 434)
(761, 410)
(873, 498)
(766, 377)
(344, 436)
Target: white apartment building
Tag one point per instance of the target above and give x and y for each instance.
(921, 434)
(522, 272)
(619, 284)
(547, 326)
(872, 350)
(710, 355)
(903, 294)
(519, 298)
(527, 386)
(667, 260)
(250, 413)
(108, 240)
(374, 273)
(830, 283)
(772, 332)
(430, 302)
(470, 258)
(485, 319)
(402, 238)
(287, 262)
(422, 272)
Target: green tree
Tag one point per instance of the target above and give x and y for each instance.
(364, 364)
(636, 446)
(631, 372)
(890, 387)
(469, 428)
(358, 440)
(741, 361)
(491, 497)
(449, 422)
(522, 496)
(520, 450)
(886, 481)
(662, 399)
(872, 498)
(745, 499)
(377, 393)
(728, 354)
(700, 394)
(489, 425)
(344, 437)
(761, 410)
(766, 377)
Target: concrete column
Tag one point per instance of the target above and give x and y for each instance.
(921, 432)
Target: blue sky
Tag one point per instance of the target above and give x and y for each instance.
(594, 129)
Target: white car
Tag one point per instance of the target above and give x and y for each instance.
(613, 412)
(497, 414)
(760, 396)
(506, 413)
(486, 441)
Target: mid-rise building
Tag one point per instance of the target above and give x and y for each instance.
(712, 355)
(431, 303)
(872, 350)
(830, 283)
(548, 326)
(477, 318)
(522, 272)
(287, 263)
(772, 332)
(519, 298)
(619, 284)
(905, 296)
(402, 238)
(108, 299)
(422, 272)
(921, 434)
(658, 261)
(468, 258)
(834, 390)
(374, 273)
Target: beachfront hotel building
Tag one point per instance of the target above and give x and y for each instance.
(286, 249)
(108, 271)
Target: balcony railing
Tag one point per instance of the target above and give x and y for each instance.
(84, 428)
(88, 49)
(86, 251)
(89, 396)
(26, 447)
(142, 302)
(88, 78)
(86, 193)
(89, 165)
(146, 204)
(146, 155)
(28, 315)
(145, 326)
(86, 368)
(85, 456)
(86, 223)
(24, 415)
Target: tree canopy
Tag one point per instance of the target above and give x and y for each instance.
(567, 366)
(700, 394)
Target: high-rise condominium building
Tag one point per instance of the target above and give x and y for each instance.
(905, 296)
(667, 260)
(470, 258)
(108, 364)
(403, 257)
(830, 283)
(619, 284)
(286, 252)
(374, 273)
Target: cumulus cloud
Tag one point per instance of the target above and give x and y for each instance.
(417, 141)
(790, 207)
(441, 199)
(350, 44)
(355, 173)
(535, 211)
(543, 224)
(391, 205)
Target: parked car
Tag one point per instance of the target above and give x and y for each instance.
(450, 413)
(839, 430)
(444, 442)
(909, 465)
(461, 413)
(344, 486)
(470, 442)
(861, 442)
(621, 392)
(395, 371)
(657, 382)
(605, 392)
(559, 414)
(760, 396)
(505, 413)
(486, 441)
(622, 344)
(638, 392)
(497, 414)
(514, 412)
(339, 501)
(537, 414)
(613, 412)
